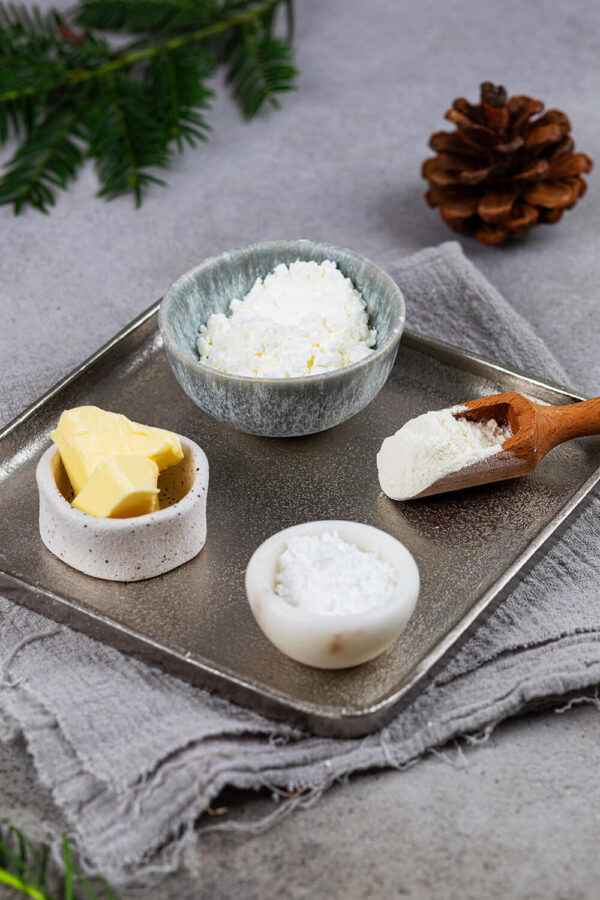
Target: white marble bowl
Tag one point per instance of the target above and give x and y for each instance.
(127, 549)
(323, 640)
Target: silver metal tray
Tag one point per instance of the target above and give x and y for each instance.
(195, 621)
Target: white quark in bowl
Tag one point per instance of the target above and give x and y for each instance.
(303, 319)
(315, 340)
(332, 594)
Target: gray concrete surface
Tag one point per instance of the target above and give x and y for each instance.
(518, 816)
(515, 817)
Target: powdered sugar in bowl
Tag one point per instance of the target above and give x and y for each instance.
(351, 610)
(263, 402)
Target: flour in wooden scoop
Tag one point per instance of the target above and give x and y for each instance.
(433, 445)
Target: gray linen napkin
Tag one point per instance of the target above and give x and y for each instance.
(132, 756)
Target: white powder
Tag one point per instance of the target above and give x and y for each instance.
(303, 319)
(434, 445)
(325, 574)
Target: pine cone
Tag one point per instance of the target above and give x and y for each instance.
(502, 172)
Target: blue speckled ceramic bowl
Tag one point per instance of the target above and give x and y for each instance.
(277, 407)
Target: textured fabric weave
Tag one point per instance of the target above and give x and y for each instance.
(132, 755)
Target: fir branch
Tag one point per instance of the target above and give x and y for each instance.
(260, 68)
(129, 57)
(48, 158)
(72, 95)
(34, 63)
(124, 138)
(143, 16)
(180, 94)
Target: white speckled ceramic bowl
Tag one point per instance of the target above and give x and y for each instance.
(323, 640)
(277, 407)
(127, 549)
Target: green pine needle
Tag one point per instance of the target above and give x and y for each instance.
(24, 867)
(67, 95)
(19, 885)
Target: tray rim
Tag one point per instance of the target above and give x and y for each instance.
(346, 722)
(412, 339)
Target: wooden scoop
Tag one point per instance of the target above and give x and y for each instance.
(536, 430)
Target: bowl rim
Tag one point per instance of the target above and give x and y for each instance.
(368, 618)
(174, 347)
(76, 517)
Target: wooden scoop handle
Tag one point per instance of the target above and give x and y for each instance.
(561, 423)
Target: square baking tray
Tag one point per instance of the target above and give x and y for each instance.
(195, 622)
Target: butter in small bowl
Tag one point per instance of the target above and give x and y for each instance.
(140, 505)
(113, 463)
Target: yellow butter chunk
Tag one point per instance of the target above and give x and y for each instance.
(120, 487)
(87, 436)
